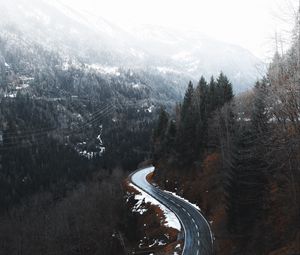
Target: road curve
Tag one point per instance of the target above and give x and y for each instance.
(198, 238)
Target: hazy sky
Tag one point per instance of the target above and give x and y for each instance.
(249, 23)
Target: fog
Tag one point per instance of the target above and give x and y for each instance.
(184, 38)
(250, 24)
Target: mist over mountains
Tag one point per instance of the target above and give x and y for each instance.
(83, 39)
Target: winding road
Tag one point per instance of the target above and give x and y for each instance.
(198, 239)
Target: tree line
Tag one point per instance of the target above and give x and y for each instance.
(256, 136)
(183, 137)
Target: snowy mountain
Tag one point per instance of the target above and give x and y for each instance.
(176, 55)
(191, 53)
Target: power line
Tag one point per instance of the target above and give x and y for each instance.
(38, 137)
(31, 137)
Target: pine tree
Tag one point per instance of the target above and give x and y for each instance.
(159, 134)
(171, 138)
(212, 94)
(162, 124)
(200, 104)
(186, 128)
(259, 118)
(187, 102)
(247, 186)
(224, 90)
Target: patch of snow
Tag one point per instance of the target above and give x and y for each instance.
(78, 116)
(81, 148)
(166, 70)
(171, 220)
(243, 119)
(111, 70)
(11, 95)
(26, 79)
(150, 109)
(88, 154)
(24, 86)
(99, 139)
(136, 86)
(160, 243)
(102, 150)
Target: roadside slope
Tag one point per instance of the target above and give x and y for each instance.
(198, 236)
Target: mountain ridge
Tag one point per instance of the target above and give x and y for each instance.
(96, 40)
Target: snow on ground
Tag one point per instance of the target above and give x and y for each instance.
(110, 70)
(170, 218)
(81, 147)
(165, 70)
(157, 243)
(11, 95)
(23, 86)
(195, 206)
(150, 109)
(136, 85)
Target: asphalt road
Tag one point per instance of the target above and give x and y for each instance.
(198, 239)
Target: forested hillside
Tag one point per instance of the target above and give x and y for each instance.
(85, 101)
(238, 158)
(65, 127)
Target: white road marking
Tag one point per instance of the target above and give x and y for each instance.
(149, 192)
(193, 220)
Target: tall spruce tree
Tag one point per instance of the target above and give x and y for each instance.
(187, 102)
(171, 138)
(259, 114)
(200, 104)
(159, 134)
(224, 90)
(212, 94)
(186, 128)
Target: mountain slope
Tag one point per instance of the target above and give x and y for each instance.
(178, 55)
